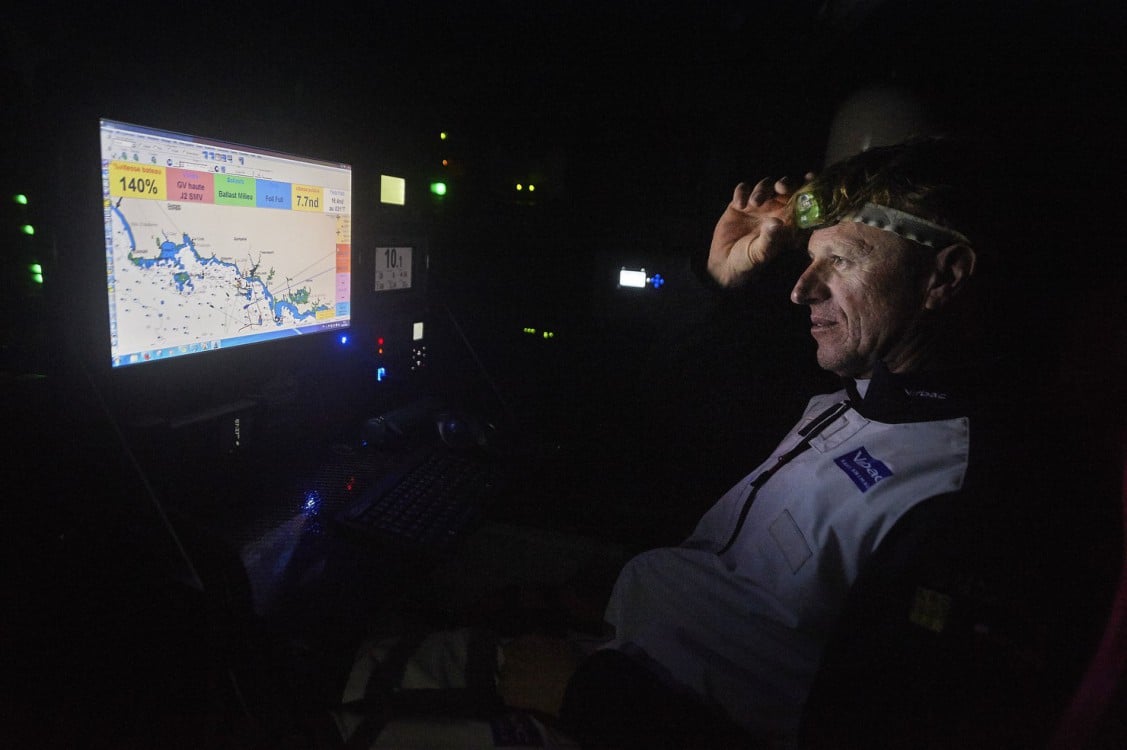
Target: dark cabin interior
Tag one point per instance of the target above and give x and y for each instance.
(175, 570)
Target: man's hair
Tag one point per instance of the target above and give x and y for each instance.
(936, 179)
(942, 181)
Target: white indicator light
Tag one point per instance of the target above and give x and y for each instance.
(634, 279)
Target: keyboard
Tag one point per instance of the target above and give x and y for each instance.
(427, 506)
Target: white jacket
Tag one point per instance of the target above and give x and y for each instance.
(744, 627)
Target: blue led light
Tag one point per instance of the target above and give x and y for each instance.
(381, 374)
(312, 503)
(344, 339)
(658, 281)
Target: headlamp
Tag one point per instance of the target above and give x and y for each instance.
(810, 214)
(807, 210)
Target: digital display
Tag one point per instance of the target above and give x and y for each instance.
(211, 245)
(393, 268)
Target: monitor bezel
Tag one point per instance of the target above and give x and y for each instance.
(79, 327)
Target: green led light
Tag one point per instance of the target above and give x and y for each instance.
(37, 278)
(438, 188)
(807, 210)
(35, 268)
(27, 229)
(443, 136)
(20, 198)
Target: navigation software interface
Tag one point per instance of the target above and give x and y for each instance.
(211, 245)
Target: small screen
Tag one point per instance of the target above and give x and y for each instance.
(393, 268)
(211, 245)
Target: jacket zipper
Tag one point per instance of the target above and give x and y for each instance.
(808, 433)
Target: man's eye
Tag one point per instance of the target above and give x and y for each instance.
(839, 262)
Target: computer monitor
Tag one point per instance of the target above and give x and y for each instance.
(211, 245)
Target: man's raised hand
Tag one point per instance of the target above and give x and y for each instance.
(754, 229)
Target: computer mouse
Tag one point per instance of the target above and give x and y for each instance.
(380, 432)
(459, 431)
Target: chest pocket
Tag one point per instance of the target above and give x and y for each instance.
(790, 541)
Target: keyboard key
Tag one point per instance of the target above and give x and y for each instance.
(429, 505)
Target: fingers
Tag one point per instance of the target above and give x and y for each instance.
(770, 241)
(787, 185)
(769, 190)
(752, 196)
(772, 230)
(763, 192)
(740, 196)
(766, 191)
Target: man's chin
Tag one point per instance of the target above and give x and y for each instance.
(843, 367)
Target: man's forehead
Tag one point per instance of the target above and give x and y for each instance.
(857, 239)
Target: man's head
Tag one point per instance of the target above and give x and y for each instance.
(888, 254)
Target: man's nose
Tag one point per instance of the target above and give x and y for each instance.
(810, 287)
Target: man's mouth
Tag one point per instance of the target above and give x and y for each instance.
(820, 324)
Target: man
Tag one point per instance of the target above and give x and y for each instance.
(770, 576)
(859, 587)
(734, 623)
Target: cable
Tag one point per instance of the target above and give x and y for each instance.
(509, 413)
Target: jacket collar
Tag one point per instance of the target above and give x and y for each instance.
(912, 397)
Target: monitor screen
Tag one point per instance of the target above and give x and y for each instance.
(211, 245)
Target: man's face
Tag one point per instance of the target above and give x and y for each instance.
(866, 289)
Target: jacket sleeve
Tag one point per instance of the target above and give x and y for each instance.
(950, 637)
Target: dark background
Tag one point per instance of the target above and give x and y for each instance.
(634, 120)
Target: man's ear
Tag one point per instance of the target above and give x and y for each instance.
(954, 265)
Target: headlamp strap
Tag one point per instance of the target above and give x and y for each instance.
(809, 214)
(907, 226)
